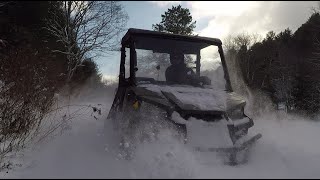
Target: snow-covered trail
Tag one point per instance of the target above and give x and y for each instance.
(289, 148)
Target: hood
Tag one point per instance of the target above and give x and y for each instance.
(194, 98)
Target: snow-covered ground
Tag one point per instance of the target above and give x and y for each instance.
(289, 148)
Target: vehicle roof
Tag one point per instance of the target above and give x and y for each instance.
(145, 39)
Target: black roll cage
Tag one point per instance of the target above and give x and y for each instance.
(128, 41)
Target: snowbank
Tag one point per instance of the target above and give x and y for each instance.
(288, 149)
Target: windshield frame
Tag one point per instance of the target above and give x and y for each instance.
(130, 42)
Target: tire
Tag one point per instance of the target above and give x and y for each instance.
(145, 125)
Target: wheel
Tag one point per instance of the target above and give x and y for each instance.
(146, 125)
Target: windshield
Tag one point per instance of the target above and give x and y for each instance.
(178, 65)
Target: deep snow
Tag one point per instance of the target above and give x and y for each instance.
(289, 148)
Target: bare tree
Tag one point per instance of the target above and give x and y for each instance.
(86, 28)
(228, 43)
(26, 96)
(236, 47)
(242, 39)
(246, 39)
(4, 3)
(316, 9)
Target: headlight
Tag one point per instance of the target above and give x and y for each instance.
(136, 105)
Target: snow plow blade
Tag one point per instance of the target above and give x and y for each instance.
(233, 151)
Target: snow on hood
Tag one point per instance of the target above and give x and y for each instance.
(201, 99)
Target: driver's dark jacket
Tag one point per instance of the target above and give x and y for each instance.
(179, 74)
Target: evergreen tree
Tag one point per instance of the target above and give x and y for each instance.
(176, 20)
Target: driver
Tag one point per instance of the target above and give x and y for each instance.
(178, 72)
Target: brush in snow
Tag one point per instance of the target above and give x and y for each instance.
(165, 83)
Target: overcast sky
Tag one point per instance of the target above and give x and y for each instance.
(216, 19)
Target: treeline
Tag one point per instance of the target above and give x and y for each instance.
(45, 46)
(286, 65)
(26, 46)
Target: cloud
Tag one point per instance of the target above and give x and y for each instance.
(229, 17)
(220, 19)
(165, 3)
(202, 9)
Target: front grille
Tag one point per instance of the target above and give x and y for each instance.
(210, 116)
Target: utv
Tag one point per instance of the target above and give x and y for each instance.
(183, 81)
